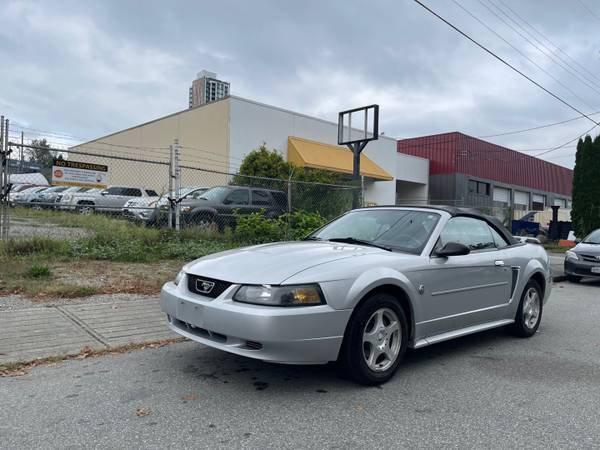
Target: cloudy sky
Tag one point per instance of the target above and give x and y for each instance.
(88, 68)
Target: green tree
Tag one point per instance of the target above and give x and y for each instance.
(40, 153)
(585, 214)
(308, 190)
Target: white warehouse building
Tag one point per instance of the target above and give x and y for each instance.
(218, 135)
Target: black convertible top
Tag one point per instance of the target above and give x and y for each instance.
(455, 211)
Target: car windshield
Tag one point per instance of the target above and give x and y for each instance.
(592, 238)
(402, 230)
(216, 194)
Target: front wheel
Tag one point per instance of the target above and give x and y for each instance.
(375, 341)
(573, 278)
(529, 313)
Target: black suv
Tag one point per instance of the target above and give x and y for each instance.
(220, 204)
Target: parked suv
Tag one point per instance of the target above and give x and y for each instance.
(110, 200)
(220, 204)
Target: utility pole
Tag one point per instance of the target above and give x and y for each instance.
(4, 179)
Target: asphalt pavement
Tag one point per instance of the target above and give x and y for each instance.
(489, 390)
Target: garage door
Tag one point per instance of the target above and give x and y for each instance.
(538, 202)
(501, 195)
(521, 198)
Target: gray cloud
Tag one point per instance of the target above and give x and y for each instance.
(89, 68)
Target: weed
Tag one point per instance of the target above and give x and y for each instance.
(37, 271)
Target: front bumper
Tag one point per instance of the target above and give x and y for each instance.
(290, 335)
(138, 214)
(579, 268)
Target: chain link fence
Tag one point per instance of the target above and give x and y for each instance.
(158, 192)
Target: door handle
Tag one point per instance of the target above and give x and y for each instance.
(499, 263)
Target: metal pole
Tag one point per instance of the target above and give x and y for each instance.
(356, 174)
(170, 186)
(3, 179)
(7, 184)
(177, 184)
(21, 152)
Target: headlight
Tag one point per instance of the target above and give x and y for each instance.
(179, 277)
(186, 209)
(298, 295)
(571, 255)
(67, 198)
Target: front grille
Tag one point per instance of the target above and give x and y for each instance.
(589, 258)
(195, 286)
(197, 331)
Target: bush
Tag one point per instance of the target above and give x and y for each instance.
(36, 271)
(255, 228)
(302, 223)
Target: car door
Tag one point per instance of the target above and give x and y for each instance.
(261, 201)
(112, 200)
(238, 200)
(465, 290)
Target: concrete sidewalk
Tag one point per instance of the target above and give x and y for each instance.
(32, 333)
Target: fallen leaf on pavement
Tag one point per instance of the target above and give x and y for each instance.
(143, 412)
(189, 398)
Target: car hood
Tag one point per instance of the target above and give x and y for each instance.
(587, 249)
(273, 263)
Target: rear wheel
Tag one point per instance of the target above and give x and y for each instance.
(573, 278)
(529, 313)
(375, 341)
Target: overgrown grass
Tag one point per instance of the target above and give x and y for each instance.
(38, 271)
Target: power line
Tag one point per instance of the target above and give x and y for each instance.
(551, 42)
(566, 143)
(506, 133)
(505, 62)
(521, 53)
(573, 72)
(589, 9)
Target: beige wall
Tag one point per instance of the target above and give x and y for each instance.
(203, 134)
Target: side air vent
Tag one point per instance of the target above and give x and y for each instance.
(515, 278)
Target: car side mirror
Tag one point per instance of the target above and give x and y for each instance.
(453, 249)
(104, 192)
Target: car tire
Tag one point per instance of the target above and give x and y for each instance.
(378, 324)
(573, 278)
(85, 209)
(529, 312)
(203, 221)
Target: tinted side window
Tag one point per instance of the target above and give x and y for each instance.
(115, 191)
(132, 192)
(151, 193)
(474, 233)
(238, 197)
(280, 199)
(261, 198)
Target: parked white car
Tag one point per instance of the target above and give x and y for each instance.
(109, 200)
(26, 195)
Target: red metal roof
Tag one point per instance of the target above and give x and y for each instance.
(458, 153)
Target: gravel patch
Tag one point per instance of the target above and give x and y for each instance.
(54, 232)
(16, 302)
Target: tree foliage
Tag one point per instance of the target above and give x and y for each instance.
(40, 153)
(585, 214)
(308, 189)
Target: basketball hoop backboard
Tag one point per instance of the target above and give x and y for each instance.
(358, 125)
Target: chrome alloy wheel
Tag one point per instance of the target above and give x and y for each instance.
(531, 308)
(382, 339)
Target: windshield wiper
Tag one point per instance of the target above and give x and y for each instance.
(590, 242)
(312, 238)
(351, 240)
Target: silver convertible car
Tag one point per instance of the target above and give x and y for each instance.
(362, 289)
